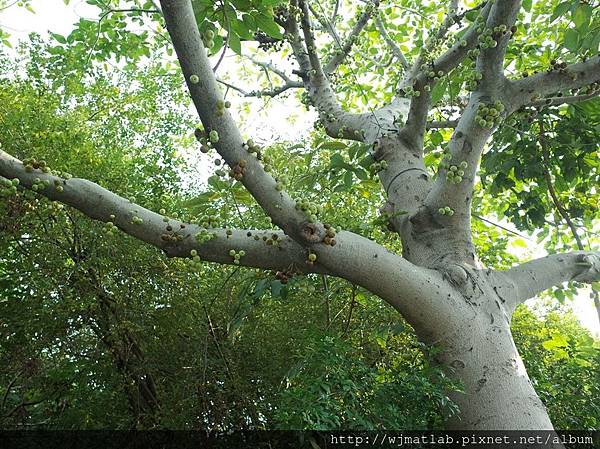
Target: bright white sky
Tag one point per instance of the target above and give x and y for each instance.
(55, 16)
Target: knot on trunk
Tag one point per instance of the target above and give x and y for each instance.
(455, 274)
(312, 233)
(423, 221)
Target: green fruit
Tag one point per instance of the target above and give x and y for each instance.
(194, 79)
(193, 253)
(213, 136)
(312, 257)
(232, 252)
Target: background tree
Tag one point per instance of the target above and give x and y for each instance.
(458, 300)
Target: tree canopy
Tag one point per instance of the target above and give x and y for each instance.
(155, 273)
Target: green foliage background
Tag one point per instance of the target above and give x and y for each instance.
(105, 332)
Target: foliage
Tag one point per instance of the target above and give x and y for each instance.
(105, 332)
(562, 360)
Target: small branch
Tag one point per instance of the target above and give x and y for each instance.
(9, 387)
(442, 124)
(268, 66)
(327, 302)
(105, 15)
(391, 44)
(337, 123)
(431, 42)
(569, 99)
(275, 91)
(452, 57)
(559, 207)
(352, 37)
(329, 25)
(336, 9)
(352, 304)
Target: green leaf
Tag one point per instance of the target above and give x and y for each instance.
(582, 15)
(527, 5)
(349, 179)
(571, 40)
(267, 24)
(560, 11)
(234, 43)
(438, 92)
(60, 38)
(557, 341)
(332, 145)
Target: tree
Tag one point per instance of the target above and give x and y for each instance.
(438, 283)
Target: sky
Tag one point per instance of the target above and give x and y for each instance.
(268, 123)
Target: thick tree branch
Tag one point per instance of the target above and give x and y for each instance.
(366, 127)
(203, 87)
(410, 289)
(532, 278)
(534, 88)
(100, 204)
(449, 201)
(490, 62)
(337, 122)
(354, 258)
(452, 57)
(423, 77)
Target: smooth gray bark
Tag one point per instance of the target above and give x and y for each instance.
(437, 284)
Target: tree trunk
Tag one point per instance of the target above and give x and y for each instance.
(498, 394)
